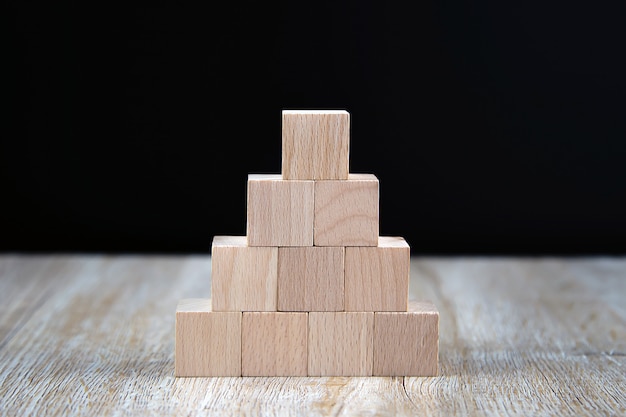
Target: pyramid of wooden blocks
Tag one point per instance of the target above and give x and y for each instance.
(312, 289)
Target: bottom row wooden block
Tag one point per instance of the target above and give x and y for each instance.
(210, 343)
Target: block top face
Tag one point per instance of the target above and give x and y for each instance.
(271, 177)
(194, 305)
(292, 112)
(362, 177)
(315, 144)
(229, 241)
(392, 242)
(265, 177)
(422, 307)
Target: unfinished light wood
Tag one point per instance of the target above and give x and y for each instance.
(346, 212)
(93, 334)
(279, 212)
(274, 344)
(315, 144)
(377, 277)
(341, 343)
(311, 279)
(407, 343)
(244, 278)
(207, 343)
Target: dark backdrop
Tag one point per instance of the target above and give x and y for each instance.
(494, 127)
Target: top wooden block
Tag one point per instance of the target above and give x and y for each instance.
(315, 144)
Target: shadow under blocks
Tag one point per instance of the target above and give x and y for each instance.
(312, 289)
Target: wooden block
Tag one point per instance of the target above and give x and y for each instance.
(407, 344)
(377, 277)
(311, 279)
(208, 343)
(280, 212)
(274, 344)
(341, 344)
(315, 144)
(243, 278)
(346, 212)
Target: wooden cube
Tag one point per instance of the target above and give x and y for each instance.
(346, 212)
(315, 144)
(243, 278)
(311, 279)
(377, 277)
(341, 344)
(279, 212)
(207, 343)
(274, 344)
(407, 344)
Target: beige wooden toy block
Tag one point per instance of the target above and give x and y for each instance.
(407, 343)
(346, 212)
(243, 278)
(377, 277)
(315, 144)
(311, 279)
(207, 343)
(274, 344)
(279, 212)
(341, 344)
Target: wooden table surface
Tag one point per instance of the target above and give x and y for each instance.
(94, 335)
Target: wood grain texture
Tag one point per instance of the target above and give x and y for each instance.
(208, 343)
(407, 343)
(244, 278)
(346, 212)
(377, 277)
(311, 279)
(315, 144)
(279, 212)
(24, 287)
(274, 344)
(94, 335)
(341, 344)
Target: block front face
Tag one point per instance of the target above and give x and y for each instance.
(311, 279)
(377, 278)
(407, 344)
(341, 344)
(279, 212)
(243, 278)
(346, 212)
(274, 344)
(208, 343)
(315, 144)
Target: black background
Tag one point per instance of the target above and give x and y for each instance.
(494, 127)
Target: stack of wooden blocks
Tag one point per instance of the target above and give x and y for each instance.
(312, 289)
